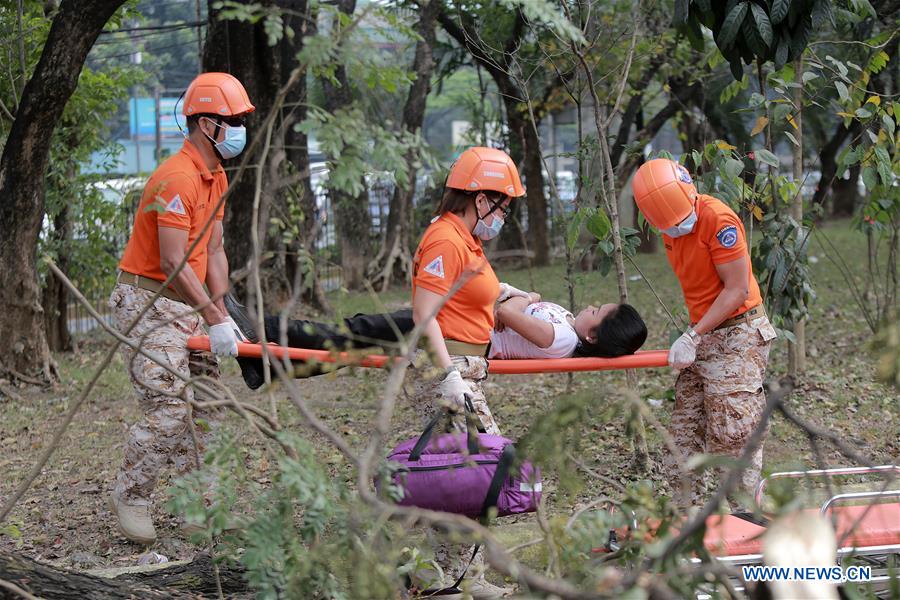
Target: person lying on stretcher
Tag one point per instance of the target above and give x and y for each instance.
(525, 328)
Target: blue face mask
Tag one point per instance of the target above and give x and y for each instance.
(683, 228)
(234, 142)
(488, 232)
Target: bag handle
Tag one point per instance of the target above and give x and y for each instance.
(507, 458)
(471, 435)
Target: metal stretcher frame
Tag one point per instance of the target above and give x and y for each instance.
(876, 555)
(640, 360)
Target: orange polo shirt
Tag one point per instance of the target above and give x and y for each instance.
(718, 238)
(446, 252)
(182, 193)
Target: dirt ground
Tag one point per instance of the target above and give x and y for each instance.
(64, 520)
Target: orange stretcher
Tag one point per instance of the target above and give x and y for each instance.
(639, 360)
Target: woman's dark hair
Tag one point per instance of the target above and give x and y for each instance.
(621, 332)
(455, 200)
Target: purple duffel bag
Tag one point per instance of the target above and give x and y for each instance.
(465, 473)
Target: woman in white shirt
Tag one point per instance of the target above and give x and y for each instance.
(529, 328)
(524, 328)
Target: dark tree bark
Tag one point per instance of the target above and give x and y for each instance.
(351, 213)
(828, 166)
(524, 144)
(178, 581)
(296, 148)
(394, 260)
(55, 295)
(242, 49)
(22, 172)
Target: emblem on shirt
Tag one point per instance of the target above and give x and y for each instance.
(176, 206)
(727, 236)
(682, 174)
(436, 267)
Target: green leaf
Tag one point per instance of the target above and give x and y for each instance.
(792, 138)
(763, 25)
(574, 229)
(869, 177)
(849, 157)
(863, 113)
(888, 123)
(732, 25)
(779, 10)
(598, 225)
(767, 157)
(736, 66)
(883, 161)
(734, 167)
(878, 62)
(809, 76)
(782, 51)
(843, 92)
(800, 36)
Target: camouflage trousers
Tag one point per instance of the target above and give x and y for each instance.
(719, 401)
(422, 388)
(163, 435)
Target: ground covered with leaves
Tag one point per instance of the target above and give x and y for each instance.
(64, 519)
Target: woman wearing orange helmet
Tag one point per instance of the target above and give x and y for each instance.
(723, 354)
(450, 258)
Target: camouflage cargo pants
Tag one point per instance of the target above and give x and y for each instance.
(162, 436)
(719, 400)
(422, 389)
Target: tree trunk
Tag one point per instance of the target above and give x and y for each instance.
(351, 213)
(177, 581)
(524, 145)
(242, 49)
(296, 147)
(845, 193)
(797, 349)
(828, 162)
(22, 172)
(394, 260)
(56, 297)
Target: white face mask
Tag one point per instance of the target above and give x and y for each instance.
(683, 228)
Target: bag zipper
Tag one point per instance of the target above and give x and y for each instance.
(444, 467)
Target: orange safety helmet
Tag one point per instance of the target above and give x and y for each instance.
(216, 94)
(664, 192)
(482, 168)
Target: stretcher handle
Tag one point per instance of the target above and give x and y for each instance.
(814, 472)
(857, 496)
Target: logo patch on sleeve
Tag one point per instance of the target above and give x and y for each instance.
(728, 236)
(436, 267)
(176, 206)
(682, 174)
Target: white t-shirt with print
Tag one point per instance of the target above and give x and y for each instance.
(509, 344)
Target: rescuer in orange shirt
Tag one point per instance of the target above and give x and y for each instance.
(722, 356)
(480, 186)
(180, 215)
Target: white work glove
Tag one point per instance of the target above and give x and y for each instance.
(222, 339)
(684, 351)
(507, 291)
(453, 390)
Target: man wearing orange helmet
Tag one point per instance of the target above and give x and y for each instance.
(179, 220)
(722, 356)
(480, 186)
